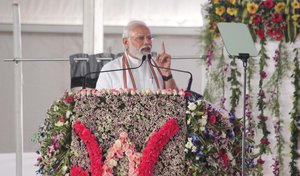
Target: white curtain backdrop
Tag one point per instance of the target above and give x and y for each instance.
(172, 13)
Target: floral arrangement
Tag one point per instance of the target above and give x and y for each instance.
(269, 18)
(54, 138)
(214, 141)
(93, 145)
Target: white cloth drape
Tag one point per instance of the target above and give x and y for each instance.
(175, 13)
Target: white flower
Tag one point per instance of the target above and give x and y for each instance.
(199, 102)
(112, 162)
(233, 162)
(192, 106)
(64, 169)
(68, 114)
(194, 149)
(223, 135)
(202, 128)
(147, 92)
(59, 124)
(203, 122)
(230, 157)
(189, 144)
(188, 121)
(118, 144)
(55, 108)
(193, 114)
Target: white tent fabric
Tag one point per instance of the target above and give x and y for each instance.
(8, 164)
(174, 13)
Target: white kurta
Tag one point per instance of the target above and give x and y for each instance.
(143, 77)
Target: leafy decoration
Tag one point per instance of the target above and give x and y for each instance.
(295, 116)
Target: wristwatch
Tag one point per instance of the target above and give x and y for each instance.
(166, 78)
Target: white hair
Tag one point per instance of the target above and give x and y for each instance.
(131, 25)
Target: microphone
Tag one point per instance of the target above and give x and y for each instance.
(104, 71)
(182, 71)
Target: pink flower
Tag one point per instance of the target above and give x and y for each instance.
(128, 152)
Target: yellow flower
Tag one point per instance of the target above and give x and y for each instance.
(232, 1)
(252, 7)
(213, 27)
(232, 11)
(295, 17)
(220, 10)
(251, 20)
(215, 1)
(295, 5)
(279, 6)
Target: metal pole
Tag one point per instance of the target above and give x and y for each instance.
(18, 70)
(244, 58)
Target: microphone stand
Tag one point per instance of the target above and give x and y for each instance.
(105, 71)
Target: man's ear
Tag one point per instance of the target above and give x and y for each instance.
(125, 43)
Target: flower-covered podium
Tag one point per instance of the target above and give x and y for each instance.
(127, 132)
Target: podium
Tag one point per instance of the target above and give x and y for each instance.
(128, 132)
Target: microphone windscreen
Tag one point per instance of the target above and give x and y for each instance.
(143, 58)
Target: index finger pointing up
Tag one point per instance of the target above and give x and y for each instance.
(163, 48)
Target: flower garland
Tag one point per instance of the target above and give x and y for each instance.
(154, 146)
(264, 141)
(137, 166)
(295, 132)
(235, 85)
(282, 66)
(54, 138)
(95, 153)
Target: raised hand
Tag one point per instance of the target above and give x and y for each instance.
(164, 60)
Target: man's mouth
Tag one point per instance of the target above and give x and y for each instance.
(146, 49)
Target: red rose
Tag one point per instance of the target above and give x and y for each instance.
(271, 32)
(69, 99)
(263, 74)
(256, 19)
(261, 94)
(62, 119)
(265, 141)
(260, 33)
(260, 161)
(212, 120)
(278, 35)
(277, 17)
(188, 94)
(268, 4)
(225, 160)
